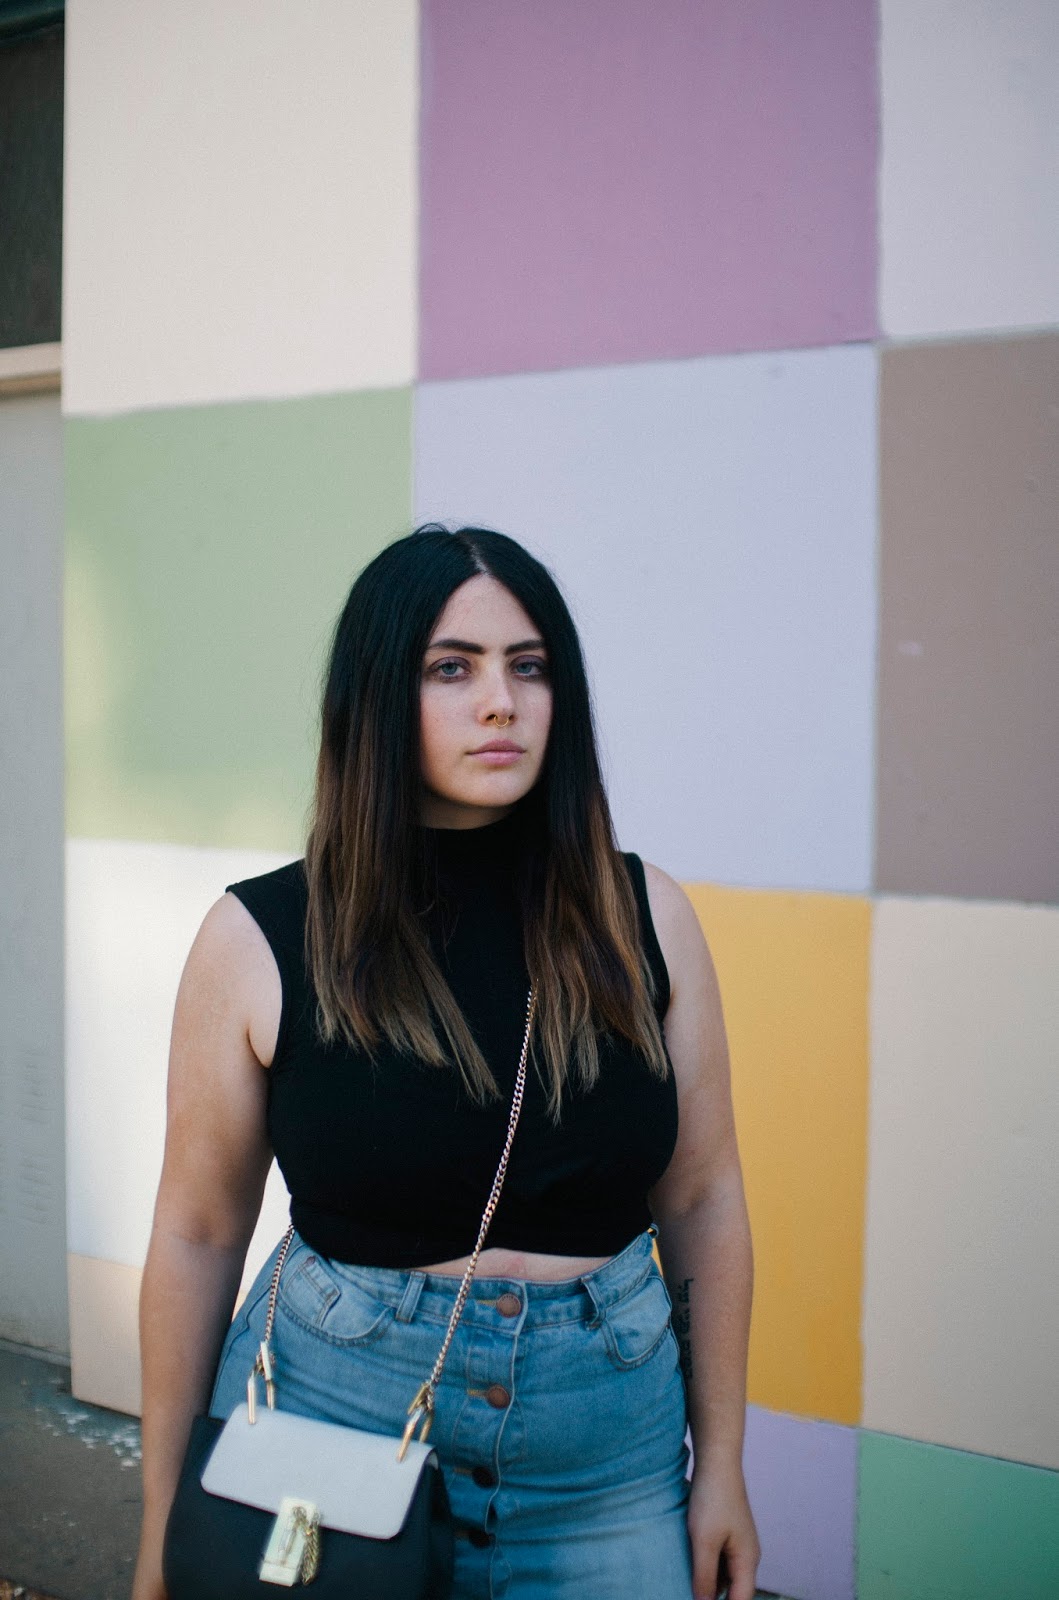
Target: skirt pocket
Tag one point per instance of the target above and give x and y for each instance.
(635, 1326)
(332, 1304)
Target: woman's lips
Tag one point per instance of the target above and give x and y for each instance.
(498, 758)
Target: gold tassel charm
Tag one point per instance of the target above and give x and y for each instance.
(311, 1554)
(293, 1551)
(422, 1404)
(263, 1366)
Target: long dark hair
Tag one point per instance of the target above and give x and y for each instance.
(371, 963)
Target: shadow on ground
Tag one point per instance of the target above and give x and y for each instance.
(69, 1487)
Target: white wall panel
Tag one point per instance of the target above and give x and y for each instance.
(961, 1320)
(239, 199)
(132, 913)
(969, 213)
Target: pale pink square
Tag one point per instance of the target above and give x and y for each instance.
(614, 180)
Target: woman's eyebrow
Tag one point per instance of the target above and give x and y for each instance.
(479, 649)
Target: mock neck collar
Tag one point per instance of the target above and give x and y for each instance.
(489, 840)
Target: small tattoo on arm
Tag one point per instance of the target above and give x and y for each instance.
(682, 1325)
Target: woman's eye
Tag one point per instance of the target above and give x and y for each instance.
(537, 669)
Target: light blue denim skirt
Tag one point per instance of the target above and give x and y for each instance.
(560, 1420)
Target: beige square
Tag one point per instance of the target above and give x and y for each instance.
(961, 1301)
(104, 1333)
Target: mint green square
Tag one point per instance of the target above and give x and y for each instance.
(941, 1524)
(209, 550)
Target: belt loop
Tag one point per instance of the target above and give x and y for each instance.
(410, 1299)
(598, 1299)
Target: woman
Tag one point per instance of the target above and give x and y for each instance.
(361, 1013)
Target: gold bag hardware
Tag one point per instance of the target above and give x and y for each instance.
(292, 1554)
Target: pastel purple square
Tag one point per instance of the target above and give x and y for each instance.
(610, 181)
(801, 1477)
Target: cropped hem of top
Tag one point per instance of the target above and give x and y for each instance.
(390, 1164)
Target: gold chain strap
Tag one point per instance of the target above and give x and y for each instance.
(423, 1403)
(310, 1562)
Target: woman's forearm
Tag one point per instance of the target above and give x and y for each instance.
(186, 1302)
(707, 1262)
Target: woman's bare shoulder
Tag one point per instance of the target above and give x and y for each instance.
(662, 888)
(670, 906)
(216, 1148)
(697, 1041)
(231, 971)
(677, 925)
(227, 944)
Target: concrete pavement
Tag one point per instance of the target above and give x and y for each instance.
(69, 1486)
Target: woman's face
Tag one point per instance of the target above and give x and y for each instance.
(485, 661)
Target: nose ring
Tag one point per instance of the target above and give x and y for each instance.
(492, 717)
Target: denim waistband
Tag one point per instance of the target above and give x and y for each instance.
(433, 1294)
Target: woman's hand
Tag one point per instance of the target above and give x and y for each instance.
(720, 1523)
(147, 1582)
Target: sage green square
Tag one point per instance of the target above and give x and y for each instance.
(209, 551)
(941, 1524)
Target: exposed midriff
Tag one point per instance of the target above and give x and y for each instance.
(521, 1264)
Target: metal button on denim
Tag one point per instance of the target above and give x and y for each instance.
(483, 1477)
(498, 1396)
(509, 1305)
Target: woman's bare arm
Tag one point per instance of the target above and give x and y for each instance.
(705, 1247)
(216, 1161)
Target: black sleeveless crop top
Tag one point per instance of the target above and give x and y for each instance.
(391, 1165)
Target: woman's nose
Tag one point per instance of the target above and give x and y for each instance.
(500, 703)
